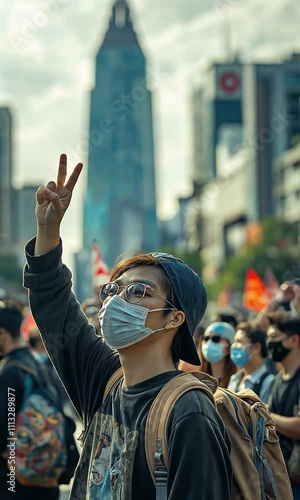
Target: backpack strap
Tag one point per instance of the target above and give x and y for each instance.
(156, 446)
(116, 376)
(258, 385)
(25, 368)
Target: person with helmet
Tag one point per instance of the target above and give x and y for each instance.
(214, 351)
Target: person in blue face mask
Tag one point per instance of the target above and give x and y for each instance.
(249, 352)
(214, 352)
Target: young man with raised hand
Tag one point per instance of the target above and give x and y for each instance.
(149, 312)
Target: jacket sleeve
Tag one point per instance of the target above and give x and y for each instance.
(83, 361)
(199, 458)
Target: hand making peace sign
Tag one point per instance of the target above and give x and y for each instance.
(54, 199)
(52, 202)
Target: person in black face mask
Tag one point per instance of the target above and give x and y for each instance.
(283, 343)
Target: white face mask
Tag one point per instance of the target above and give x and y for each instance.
(123, 324)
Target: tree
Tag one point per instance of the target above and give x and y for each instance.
(278, 249)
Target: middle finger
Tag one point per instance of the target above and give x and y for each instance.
(62, 170)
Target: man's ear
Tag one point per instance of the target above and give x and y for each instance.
(256, 347)
(177, 319)
(295, 340)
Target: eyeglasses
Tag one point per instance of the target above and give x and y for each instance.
(215, 338)
(134, 292)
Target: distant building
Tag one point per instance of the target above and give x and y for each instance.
(239, 186)
(217, 110)
(287, 185)
(120, 202)
(6, 169)
(174, 231)
(272, 125)
(26, 224)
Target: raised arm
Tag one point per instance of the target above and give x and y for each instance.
(82, 359)
(52, 203)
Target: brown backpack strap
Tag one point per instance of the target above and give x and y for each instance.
(116, 376)
(158, 416)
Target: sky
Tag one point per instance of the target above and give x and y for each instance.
(47, 55)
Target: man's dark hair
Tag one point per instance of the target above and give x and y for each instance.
(255, 335)
(10, 319)
(227, 318)
(285, 322)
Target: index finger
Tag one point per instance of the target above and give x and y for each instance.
(62, 170)
(74, 177)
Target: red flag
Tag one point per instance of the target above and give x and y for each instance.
(255, 294)
(100, 270)
(271, 282)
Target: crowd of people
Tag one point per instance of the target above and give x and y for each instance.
(148, 321)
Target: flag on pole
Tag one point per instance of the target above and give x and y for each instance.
(100, 271)
(255, 294)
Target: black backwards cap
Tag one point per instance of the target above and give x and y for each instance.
(191, 296)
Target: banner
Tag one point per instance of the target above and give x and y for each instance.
(255, 294)
(100, 271)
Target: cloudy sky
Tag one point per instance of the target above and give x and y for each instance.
(47, 55)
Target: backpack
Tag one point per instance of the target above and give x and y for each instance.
(39, 432)
(254, 442)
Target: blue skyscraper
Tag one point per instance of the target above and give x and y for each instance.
(120, 201)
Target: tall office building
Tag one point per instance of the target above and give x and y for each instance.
(272, 125)
(120, 201)
(5, 179)
(26, 225)
(218, 112)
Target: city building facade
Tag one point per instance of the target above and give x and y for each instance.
(6, 172)
(120, 201)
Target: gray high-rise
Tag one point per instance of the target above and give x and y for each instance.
(120, 201)
(6, 222)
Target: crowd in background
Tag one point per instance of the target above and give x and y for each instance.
(242, 350)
